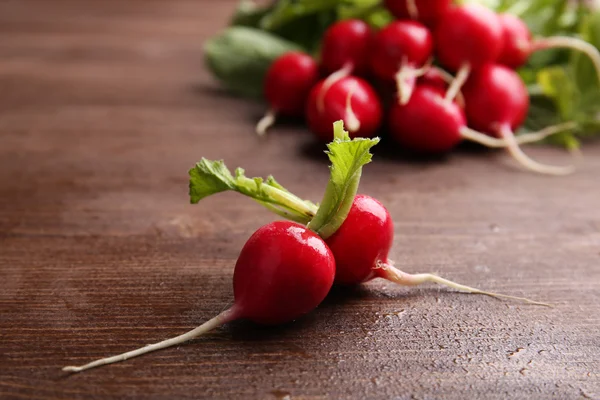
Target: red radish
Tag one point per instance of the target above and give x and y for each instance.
(400, 52)
(432, 125)
(519, 45)
(350, 99)
(344, 51)
(496, 103)
(287, 84)
(428, 12)
(467, 38)
(283, 272)
(362, 244)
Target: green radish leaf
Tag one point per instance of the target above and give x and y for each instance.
(210, 177)
(347, 159)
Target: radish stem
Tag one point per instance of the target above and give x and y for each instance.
(413, 11)
(224, 317)
(393, 274)
(351, 121)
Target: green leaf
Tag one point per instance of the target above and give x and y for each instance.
(249, 14)
(240, 57)
(211, 177)
(347, 159)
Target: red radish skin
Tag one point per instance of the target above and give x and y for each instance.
(428, 12)
(519, 44)
(400, 52)
(287, 85)
(362, 244)
(350, 99)
(496, 103)
(467, 38)
(283, 272)
(429, 124)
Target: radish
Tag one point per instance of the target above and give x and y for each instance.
(428, 12)
(283, 272)
(441, 79)
(496, 103)
(287, 84)
(519, 45)
(344, 51)
(466, 38)
(400, 53)
(361, 246)
(432, 125)
(350, 99)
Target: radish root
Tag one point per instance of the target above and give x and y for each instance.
(351, 121)
(571, 43)
(224, 317)
(393, 274)
(413, 11)
(406, 79)
(525, 138)
(513, 148)
(449, 79)
(341, 73)
(457, 83)
(266, 122)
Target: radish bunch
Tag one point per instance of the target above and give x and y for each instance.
(286, 268)
(481, 98)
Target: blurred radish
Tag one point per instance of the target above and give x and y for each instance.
(427, 12)
(344, 51)
(400, 53)
(519, 44)
(283, 272)
(287, 84)
(350, 99)
(467, 38)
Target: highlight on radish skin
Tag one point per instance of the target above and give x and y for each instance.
(362, 244)
(267, 289)
(287, 85)
(401, 53)
(519, 44)
(497, 103)
(350, 99)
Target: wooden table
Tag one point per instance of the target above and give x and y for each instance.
(105, 105)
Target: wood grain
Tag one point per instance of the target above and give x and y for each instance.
(105, 105)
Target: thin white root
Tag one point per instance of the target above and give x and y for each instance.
(351, 121)
(406, 79)
(413, 11)
(525, 138)
(266, 122)
(513, 148)
(571, 43)
(393, 274)
(457, 83)
(460, 99)
(341, 73)
(224, 317)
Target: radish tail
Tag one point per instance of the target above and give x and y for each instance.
(406, 79)
(532, 137)
(266, 122)
(449, 79)
(572, 43)
(351, 121)
(513, 148)
(457, 83)
(413, 11)
(224, 317)
(393, 274)
(341, 73)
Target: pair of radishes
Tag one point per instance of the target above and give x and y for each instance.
(286, 268)
(433, 112)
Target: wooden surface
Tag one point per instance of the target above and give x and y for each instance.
(105, 105)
